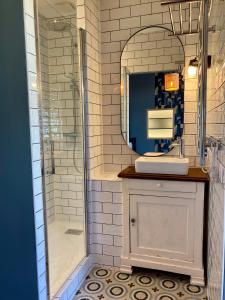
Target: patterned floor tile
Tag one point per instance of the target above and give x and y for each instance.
(107, 284)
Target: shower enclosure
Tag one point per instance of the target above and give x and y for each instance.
(63, 138)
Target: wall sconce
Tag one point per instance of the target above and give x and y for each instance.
(172, 82)
(193, 68)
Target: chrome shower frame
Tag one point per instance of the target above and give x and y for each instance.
(84, 98)
(84, 117)
(202, 83)
(39, 87)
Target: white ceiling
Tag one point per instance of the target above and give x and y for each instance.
(56, 8)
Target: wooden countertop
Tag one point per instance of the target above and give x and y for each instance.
(194, 174)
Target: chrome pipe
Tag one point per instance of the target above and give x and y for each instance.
(179, 1)
(52, 149)
(171, 18)
(210, 29)
(184, 33)
(203, 85)
(210, 8)
(199, 16)
(190, 16)
(181, 18)
(215, 142)
(84, 97)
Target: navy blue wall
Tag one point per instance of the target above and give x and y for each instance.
(18, 279)
(141, 98)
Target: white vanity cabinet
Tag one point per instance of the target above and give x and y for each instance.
(163, 224)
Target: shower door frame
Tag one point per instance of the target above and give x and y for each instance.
(84, 112)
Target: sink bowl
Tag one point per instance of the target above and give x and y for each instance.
(162, 165)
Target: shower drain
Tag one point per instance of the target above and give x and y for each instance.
(73, 231)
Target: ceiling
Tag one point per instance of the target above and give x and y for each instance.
(56, 8)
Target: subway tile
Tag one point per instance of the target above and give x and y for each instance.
(106, 4)
(110, 25)
(28, 7)
(119, 35)
(112, 208)
(129, 23)
(111, 250)
(29, 25)
(102, 218)
(112, 229)
(120, 13)
(143, 9)
(148, 20)
(129, 2)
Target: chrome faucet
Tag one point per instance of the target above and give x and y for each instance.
(178, 143)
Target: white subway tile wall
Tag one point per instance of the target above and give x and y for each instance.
(105, 230)
(216, 128)
(35, 144)
(94, 86)
(119, 21)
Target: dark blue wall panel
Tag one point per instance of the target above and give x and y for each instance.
(18, 271)
(142, 98)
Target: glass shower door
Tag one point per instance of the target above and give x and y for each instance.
(61, 111)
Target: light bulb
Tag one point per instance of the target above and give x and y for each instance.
(192, 71)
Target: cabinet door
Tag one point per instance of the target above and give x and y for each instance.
(162, 227)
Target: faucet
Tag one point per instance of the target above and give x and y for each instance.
(178, 143)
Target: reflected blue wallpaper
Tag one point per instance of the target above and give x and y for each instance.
(164, 99)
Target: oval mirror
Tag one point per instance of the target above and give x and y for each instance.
(152, 91)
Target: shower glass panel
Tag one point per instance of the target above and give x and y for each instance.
(62, 138)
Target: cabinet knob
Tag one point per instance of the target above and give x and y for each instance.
(159, 185)
(132, 220)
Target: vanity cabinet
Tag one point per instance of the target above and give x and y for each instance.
(163, 220)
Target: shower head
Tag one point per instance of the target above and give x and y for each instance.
(58, 25)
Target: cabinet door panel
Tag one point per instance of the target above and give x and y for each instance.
(163, 227)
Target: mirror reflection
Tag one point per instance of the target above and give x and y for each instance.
(152, 91)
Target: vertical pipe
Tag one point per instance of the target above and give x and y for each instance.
(199, 16)
(181, 19)
(171, 18)
(52, 146)
(83, 95)
(190, 17)
(203, 85)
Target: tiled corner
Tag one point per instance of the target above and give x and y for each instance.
(216, 128)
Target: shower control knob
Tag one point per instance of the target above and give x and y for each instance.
(132, 220)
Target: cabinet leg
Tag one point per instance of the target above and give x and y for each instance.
(199, 281)
(126, 269)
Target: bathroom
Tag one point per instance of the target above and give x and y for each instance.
(113, 138)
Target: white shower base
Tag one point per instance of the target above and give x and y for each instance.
(65, 252)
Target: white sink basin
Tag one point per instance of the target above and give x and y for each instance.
(162, 165)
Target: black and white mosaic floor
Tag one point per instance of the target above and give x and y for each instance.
(106, 284)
